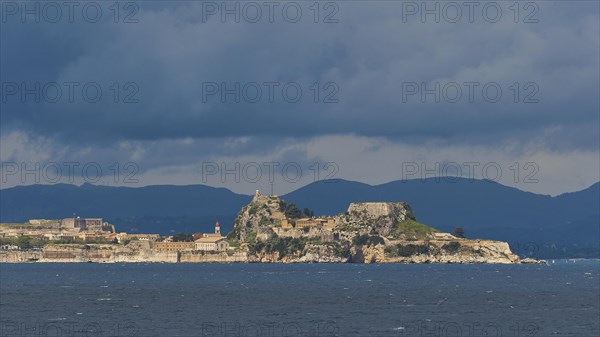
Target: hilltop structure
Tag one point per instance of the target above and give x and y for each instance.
(86, 224)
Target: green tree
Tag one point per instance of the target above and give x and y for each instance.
(368, 240)
(459, 232)
(24, 242)
(306, 212)
(292, 211)
(183, 237)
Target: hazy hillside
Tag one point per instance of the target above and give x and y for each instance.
(530, 222)
(565, 225)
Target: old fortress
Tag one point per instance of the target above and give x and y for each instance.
(267, 229)
(299, 223)
(326, 223)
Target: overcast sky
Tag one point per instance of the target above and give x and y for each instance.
(372, 91)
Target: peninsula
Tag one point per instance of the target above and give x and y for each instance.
(267, 230)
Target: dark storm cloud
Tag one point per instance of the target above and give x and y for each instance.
(165, 61)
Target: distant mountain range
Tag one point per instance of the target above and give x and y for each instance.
(566, 225)
(151, 209)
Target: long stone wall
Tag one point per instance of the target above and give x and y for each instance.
(93, 253)
(116, 254)
(196, 257)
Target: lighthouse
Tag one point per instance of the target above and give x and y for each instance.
(217, 228)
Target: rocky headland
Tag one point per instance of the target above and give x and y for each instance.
(269, 230)
(368, 232)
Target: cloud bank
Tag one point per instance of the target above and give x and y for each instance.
(367, 85)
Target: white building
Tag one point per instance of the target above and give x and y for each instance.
(212, 244)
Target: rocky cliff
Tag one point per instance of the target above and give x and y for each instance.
(436, 251)
(257, 219)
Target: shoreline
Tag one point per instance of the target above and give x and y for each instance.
(37, 256)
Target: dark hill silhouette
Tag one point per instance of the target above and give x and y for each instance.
(562, 226)
(150, 209)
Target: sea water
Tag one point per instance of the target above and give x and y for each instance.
(79, 299)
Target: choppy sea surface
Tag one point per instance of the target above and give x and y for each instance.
(560, 299)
